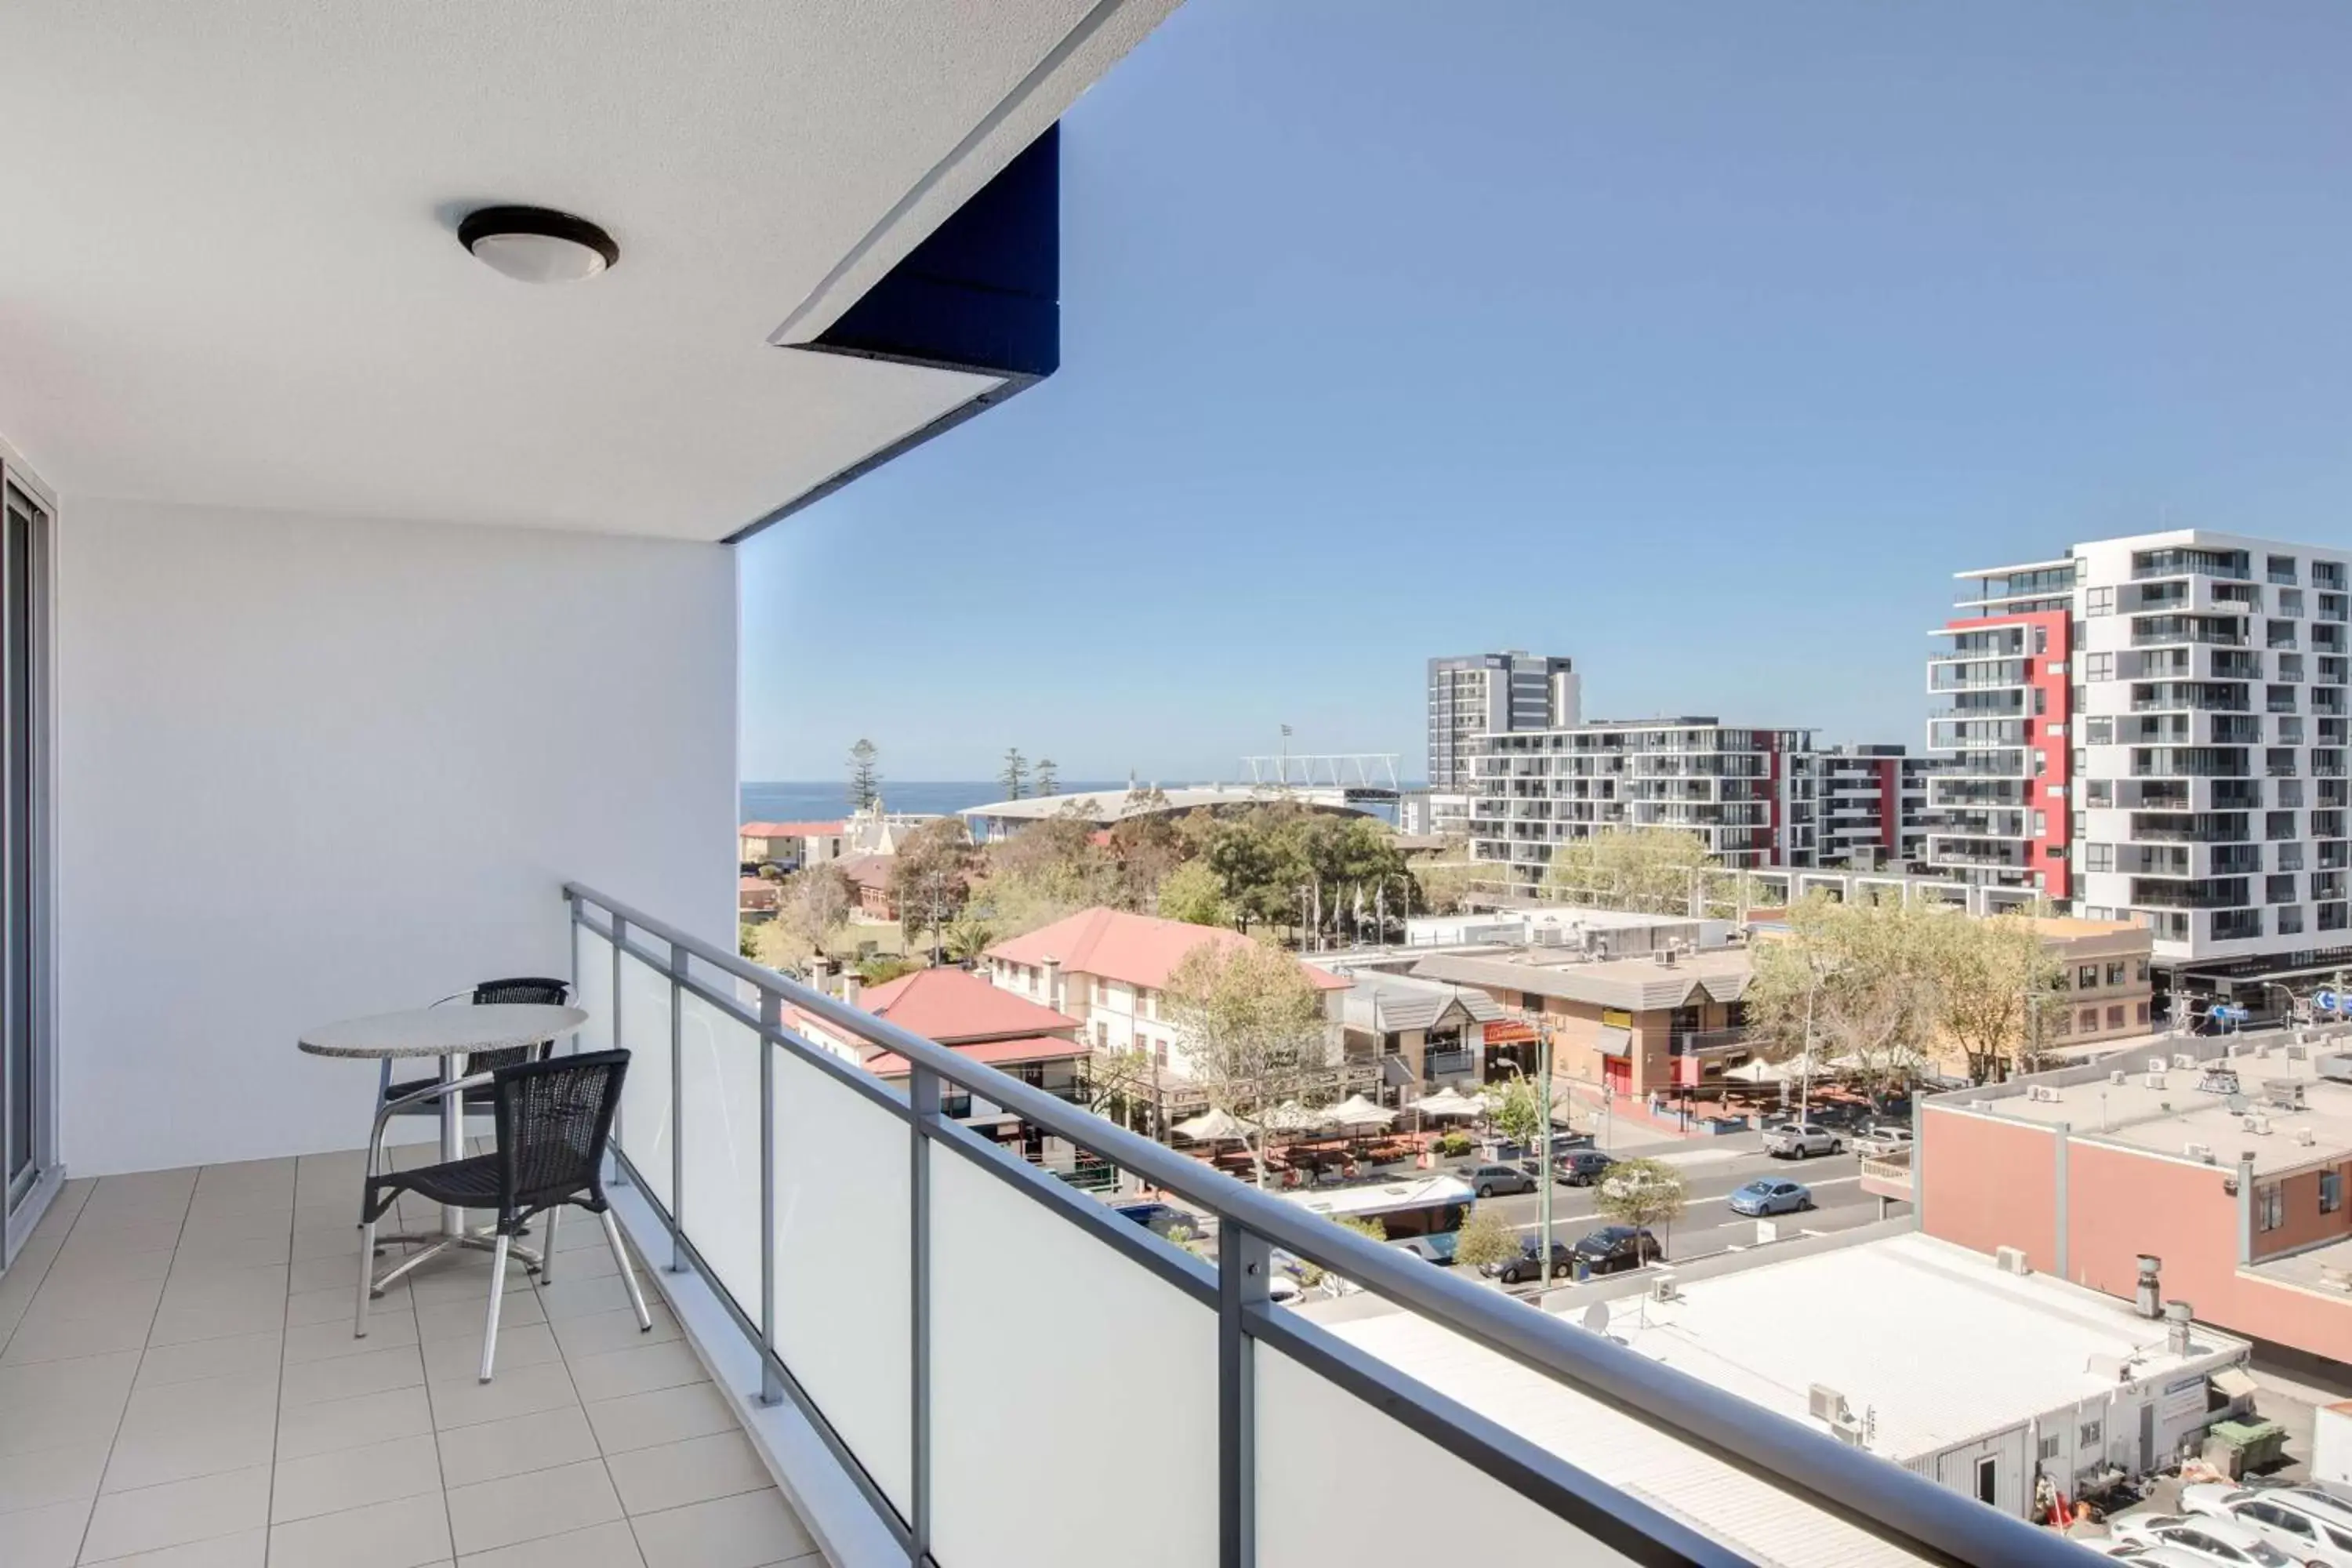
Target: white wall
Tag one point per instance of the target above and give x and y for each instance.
(310, 768)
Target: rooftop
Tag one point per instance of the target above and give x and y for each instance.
(1135, 950)
(1387, 1002)
(1109, 806)
(1635, 985)
(955, 1007)
(792, 829)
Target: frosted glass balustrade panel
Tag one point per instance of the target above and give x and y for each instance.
(642, 1024)
(718, 1089)
(844, 1323)
(591, 988)
(1316, 1445)
(1074, 1392)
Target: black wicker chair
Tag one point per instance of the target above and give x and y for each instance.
(547, 993)
(553, 1120)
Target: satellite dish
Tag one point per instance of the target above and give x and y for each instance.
(1596, 1318)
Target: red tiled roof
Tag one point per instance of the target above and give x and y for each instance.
(1136, 950)
(950, 1006)
(867, 870)
(752, 884)
(792, 829)
(994, 1053)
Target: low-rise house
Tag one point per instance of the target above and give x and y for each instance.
(790, 845)
(1109, 968)
(756, 898)
(869, 885)
(2105, 989)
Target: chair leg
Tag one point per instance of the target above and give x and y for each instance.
(628, 1274)
(498, 1295)
(367, 1277)
(547, 1246)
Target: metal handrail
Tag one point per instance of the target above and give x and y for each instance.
(1907, 1511)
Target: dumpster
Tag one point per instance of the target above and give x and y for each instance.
(2245, 1445)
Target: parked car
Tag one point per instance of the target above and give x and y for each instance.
(1488, 1180)
(1616, 1246)
(1524, 1266)
(1510, 1151)
(1437, 1248)
(1582, 1167)
(2305, 1523)
(2215, 1540)
(1882, 1140)
(1768, 1194)
(2159, 1557)
(1801, 1140)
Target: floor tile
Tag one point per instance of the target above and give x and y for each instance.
(376, 1371)
(43, 1478)
(519, 1345)
(337, 1305)
(339, 1272)
(355, 1478)
(601, 1333)
(524, 1508)
(517, 1445)
(323, 1429)
(60, 1403)
(210, 1306)
(613, 1545)
(576, 1297)
(387, 1326)
(78, 1324)
(255, 1355)
(640, 1369)
(697, 1470)
(199, 1254)
(89, 1238)
(408, 1533)
(462, 1402)
(246, 1549)
(109, 1268)
(746, 1532)
(669, 1415)
(176, 1431)
(464, 1319)
(43, 1537)
(180, 1512)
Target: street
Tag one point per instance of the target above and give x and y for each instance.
(1712, 1172)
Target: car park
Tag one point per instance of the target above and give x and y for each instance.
(1617, 1246)
(1582, 1167)
(1770, 1195)
(2219, 1542)
(2305, 1523)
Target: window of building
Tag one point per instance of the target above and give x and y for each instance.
(2331, 1191)
(1102, 1037)
(2278, 889)
(2270, 1207)
(2139, 1013)
(2090, 1019)
(2041, 825)
(2048, 1448)
(2290, 921)
(2115, 1016)
(2099, 732)
(2086, 978)
(2091, 1435)
(2099, 667)
(2099, 601)
(2139, 971)
(2100, 792)
(2116, 972)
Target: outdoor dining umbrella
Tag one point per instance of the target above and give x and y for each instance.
(1292, 1117)
(1215, 1126)
(1449, 1102)
(1761, 1072)
(1357, 1111)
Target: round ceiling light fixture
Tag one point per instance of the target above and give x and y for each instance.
(537, 244)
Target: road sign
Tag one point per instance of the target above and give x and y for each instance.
(2327, 1001)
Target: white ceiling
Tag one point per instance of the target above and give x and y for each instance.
(229, 276)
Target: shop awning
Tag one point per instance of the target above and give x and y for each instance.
(2232, 1383)
(1616, 1042)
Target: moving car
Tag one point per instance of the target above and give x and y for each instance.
(1769, 1195)
(1617, 1246)
(1581, 1168)
(1488, 1180)
(1524, 1266)
(1801, 1140)
(2216, 1541)
(2305, 1523)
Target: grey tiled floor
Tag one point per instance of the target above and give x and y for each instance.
(179, 1385)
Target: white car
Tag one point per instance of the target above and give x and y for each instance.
(1879, 1143)
(2208, 1540)
(2304, 1522)
(2160, 1557)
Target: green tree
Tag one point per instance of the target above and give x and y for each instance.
(1191, 893)
(1656, 871)
(1857, 984)
(1995, 977)
(1313, 1274)
(1645, 1192)
(1518, 1111)
(865, 776)
(884, 967)
(1119, 1084)
(1015, 779)
(1049, 777)
(747, 940)
(1485, 1239)
(1448, 885)
(967, 937)
(1044, 872)
(1252, 1027)
(931, 877)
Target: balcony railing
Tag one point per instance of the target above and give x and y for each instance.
(886, 1264)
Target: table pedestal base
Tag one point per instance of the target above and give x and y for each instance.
(435, 1244)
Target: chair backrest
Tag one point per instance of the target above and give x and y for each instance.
(554, 1117)
(527, 989)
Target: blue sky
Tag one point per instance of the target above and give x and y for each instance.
(1701, 341)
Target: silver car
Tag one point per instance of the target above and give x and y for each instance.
(2221, 1541)
(2307, 1524)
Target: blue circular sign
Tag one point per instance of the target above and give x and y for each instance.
(2327, 1001)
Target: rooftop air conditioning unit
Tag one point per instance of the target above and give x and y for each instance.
(2012, 1260)
(2203, 1152)
(2183, 1059)
(2047, 1093)
(2286, 1093)
(1823, 1403)
(2154, 1081)
(1663, 1289)
(2119, 1076)
(1847, 1430)
(2297, 1053)
(2306, 1136)
(2336, 1067)
(2255, 1123)
(1980, 1105)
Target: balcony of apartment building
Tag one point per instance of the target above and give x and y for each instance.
(1976, 735)
(1971, 764)
(1954, 673)
(2190, 696)
(2231, 565)
(2190, 762)
(2157, 630)
(2201, 893)
(2003, 854)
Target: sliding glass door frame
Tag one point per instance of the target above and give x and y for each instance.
(30, 1172)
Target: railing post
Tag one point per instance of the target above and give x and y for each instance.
(923, 1101)
(772, 1017)
(677, 1110)
(620, 936)
(1244, 1263)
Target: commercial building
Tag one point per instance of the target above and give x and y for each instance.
(1419, 1033)
(1977, 1378)
(2227, 1160)
(2154, 728)
(1108, 969)
(1748, 794)
(2105, 985)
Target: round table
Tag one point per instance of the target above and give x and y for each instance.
(452, 1034)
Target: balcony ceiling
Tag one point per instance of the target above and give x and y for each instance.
(229, 275)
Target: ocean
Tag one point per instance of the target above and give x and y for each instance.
(823, 800)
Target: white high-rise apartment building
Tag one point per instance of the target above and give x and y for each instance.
(1748, 793)
(2154, 728)
(1479, 694)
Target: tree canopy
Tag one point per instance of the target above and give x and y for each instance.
(865, 775)
(1656, 871)
(1252, 1025)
